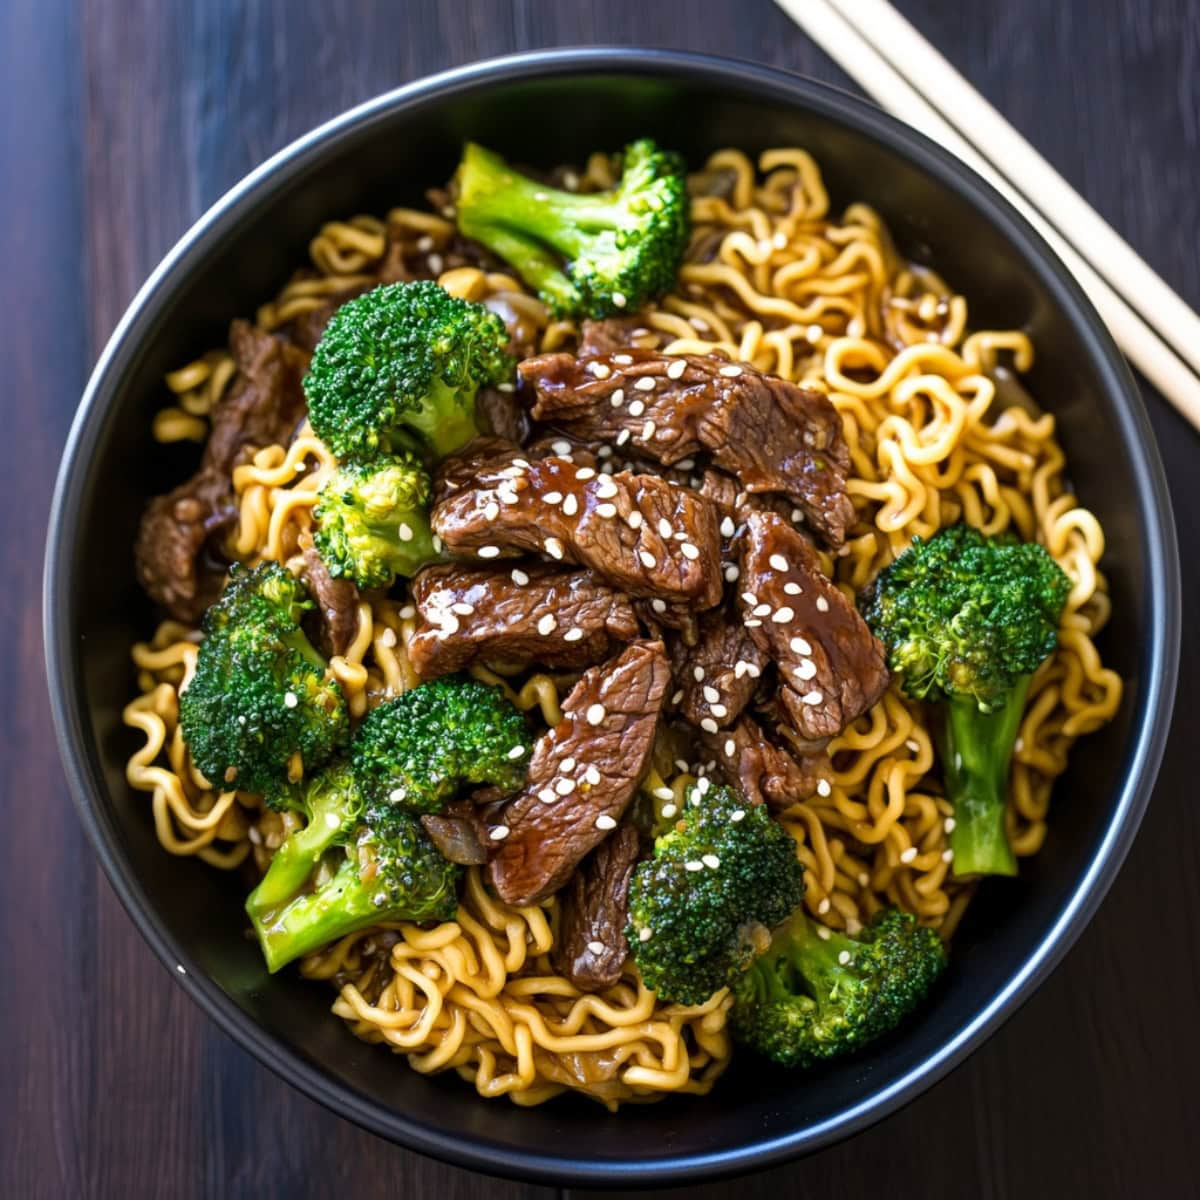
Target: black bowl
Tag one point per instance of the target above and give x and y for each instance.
(553, 107)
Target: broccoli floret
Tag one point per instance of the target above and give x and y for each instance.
(373, 520)
(967, 620)
(703, 906)
(817, 994)
(415, 751)
(260, 706)
(402, 364)
(348, 868)
(586, 254)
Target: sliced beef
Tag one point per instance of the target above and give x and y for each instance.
(169, 552)
(591, 946)
(305, 330)
(831, 667)
(456, 837)
(640, 533)
(501, 415)
(525, 614)
(173, 552)
(613, 335)
(773, 435)
(337, 601)
(717, 675)
(762, 772)
(582, 776)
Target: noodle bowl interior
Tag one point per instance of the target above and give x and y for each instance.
(774, 279)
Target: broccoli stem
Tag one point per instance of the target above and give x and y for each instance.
(343, 905)
(296, 640)
(539, 269)
(976, 751)
(446, 422)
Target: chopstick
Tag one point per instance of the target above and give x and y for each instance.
(866, 57)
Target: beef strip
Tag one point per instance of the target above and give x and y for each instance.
(762, 772)
(262, 406)
(613, 335)
(643, 535)
(582, 776)
(456, 837)
(591, 946)
(501, 415)
(529, 613)
(831, 667)
(719, 673)
(773, 435)
(337, 601)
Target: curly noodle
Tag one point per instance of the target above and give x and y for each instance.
(771, 279)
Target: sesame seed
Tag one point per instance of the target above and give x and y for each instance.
(449, 624)
(623, 359)
(752, 622)
(585, 473)
(407, 613)
(595, 714)
(523, 463)
(604, 452)
(604, 821)
(505, 387)
(689, 551)
(659, 606)
(622, 437)
(507, 496)
(783, 615)
(708, 725)
(596, 947)
(824, 906)
(913, 745)
(730, 372)
(618, 298)
(822, 604)
(863, 879)
(425, 244)
(570, 506)
(605, 488)
(397, 795)
(491, 510)
(711, 694)
(648, 431)
(760, 610)
(823, 787)
(606, 510)
(437, 544)
(600, 370)
(634, 520)
(711, 861)
(738, 814)
(489, 552)
(462, 608)
(778, 562)
(647, 383)
(554, 547)
(844, 957)
(553, 497)
(519, 577)
(388, 638)
(698, 674)
(813, 698)
(750, 598)
(730, 747)
(799, 646)
(720, 711)
(676, 368)
(562, 448)
(698, 323)
(664, 527)
(648, 559)
(405, 532)
(694, 865)
(908, 855)
(546, 624)
(498, 833)
(291, 700)
(779, 240)
(617, 398)
(573, 635)
(669, 810)
(739, 668)
(547, 795)
(823, 933)
(947, 856)
(567, 764)
(645, 934)
(793, 589)
(731, 573)
(564, 787)
(676, 699)
(805, 669)
(948, 824)
(436, 262)
(664, 793)
(727, 527)
(636, 408)
(592, 775)
(516, 752)
(513, 472)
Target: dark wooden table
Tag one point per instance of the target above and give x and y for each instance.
(119, 123)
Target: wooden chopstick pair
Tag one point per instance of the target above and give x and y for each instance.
(904, 74)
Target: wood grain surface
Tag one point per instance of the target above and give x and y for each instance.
(120, 121)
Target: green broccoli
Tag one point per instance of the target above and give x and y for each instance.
(401, 365)
(373, 520)
(586, 254)
(967, 620)
(415, 751)
(348, 868)
(703, 906)
(817, 994)
(260, 704)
